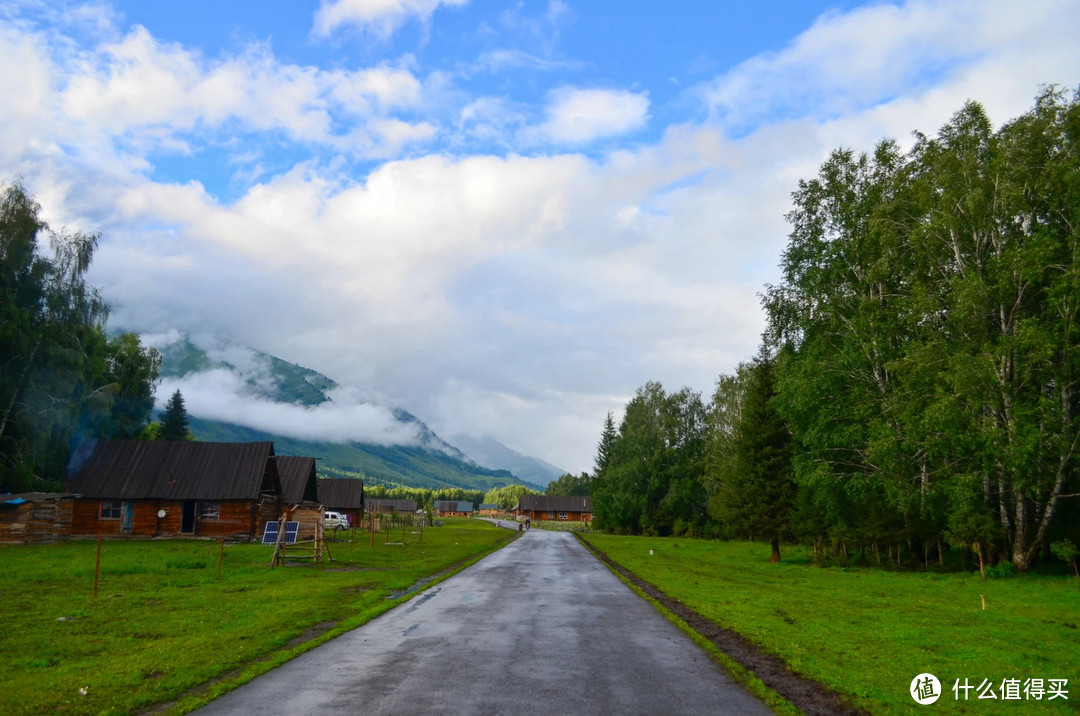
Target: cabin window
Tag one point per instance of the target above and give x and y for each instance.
(563, 516)
(208, 510)
(549, 515)
(111, 509)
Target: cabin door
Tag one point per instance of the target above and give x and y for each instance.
(187, 517)
(127, 517)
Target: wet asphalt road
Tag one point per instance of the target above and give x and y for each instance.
(539, 627)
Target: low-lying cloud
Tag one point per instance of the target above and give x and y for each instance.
(221, 394)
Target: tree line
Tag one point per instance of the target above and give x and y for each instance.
(62, 378)
(915, 391)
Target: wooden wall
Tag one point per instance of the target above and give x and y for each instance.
(38, 522)
(236, 520)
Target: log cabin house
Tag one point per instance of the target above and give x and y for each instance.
(489, 509)
(344, 495)
(174, 488)
(453, 508)
(554, 508)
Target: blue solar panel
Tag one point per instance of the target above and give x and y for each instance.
(291, 529)
(270, 533)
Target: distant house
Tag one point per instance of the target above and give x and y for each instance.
(453, 508)
(344, 495)
(380, 505)
(174, 488)
(488, 509)
(35, 517)
(553, 507)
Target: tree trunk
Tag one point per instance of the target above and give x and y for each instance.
(775, 542)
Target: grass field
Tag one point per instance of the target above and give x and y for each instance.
(163, 623)
(868, 633)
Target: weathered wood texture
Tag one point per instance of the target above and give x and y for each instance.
(36, 522)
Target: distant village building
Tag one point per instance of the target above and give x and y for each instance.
(453, 508)
(554, 507)
(489, 509)
(384, 506)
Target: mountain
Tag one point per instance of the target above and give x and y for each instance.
(490, 452)
(261, 390)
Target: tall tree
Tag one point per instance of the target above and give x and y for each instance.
(759, 494)
(56, 364)
(174, 420)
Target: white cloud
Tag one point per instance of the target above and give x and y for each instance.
(579, 116)
(379, 17)
(849, 62)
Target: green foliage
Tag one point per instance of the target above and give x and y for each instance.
(928, 320)
(652, 475)
(570, 485)
(61, 378)
(506, 497)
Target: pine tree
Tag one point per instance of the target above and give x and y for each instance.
(759, 494)
(174, 421)
(603, 449)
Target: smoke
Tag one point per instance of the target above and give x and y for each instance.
(220, 394)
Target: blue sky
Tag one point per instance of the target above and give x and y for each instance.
(502, 216)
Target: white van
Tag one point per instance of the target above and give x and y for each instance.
(334, 520)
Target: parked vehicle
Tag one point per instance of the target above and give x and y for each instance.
(334, 520)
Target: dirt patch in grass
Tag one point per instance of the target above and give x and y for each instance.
(807, 695)
(310, 633)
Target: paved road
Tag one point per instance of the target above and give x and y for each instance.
(541, 626)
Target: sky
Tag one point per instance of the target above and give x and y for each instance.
(504, 217)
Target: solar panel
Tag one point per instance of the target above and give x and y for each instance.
(270, 533)
(291, 529)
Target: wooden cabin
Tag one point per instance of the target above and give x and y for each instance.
(554, 508)
(344, 495)
(453, 508)
(35, 517)
(489, 509)
(174, 488)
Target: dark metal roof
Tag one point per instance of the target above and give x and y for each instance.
(342, 493)
(298, 480)
(554, 503)
(453, 506)
(173, 470)
(382, 504)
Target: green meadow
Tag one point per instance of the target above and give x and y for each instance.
(867, 633)
(164, 629)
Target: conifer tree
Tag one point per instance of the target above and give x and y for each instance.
(174, 421)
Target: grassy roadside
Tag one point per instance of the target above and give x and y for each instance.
(868, 633)
(163, 623)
